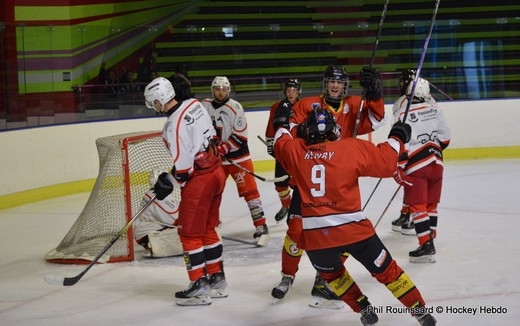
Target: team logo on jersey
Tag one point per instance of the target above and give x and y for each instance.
(189, 119)
(240, 122)
(413, 117)
(346, 108)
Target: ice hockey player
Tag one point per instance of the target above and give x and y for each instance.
(230, 122)
(326, 171)
(189, 136)
(403, 223)
(156, 228)
(420, 172)
(279, 115)
(335, 99)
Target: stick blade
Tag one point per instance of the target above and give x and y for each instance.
(61, 280)
(55, 279)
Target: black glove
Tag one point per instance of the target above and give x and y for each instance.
(402, 131)
(301, 132)
(163, 187)
(282, 115)
(371, 83)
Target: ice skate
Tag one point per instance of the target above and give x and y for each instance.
(323, 296)
(426, 320)
(197, 294)
(397, 223)
(282, 213)
(281, 289)
(261, 235)
(218, 285)
(423, 254)
(408, 228)
(368, 315)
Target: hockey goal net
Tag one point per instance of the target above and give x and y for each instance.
(125, 164)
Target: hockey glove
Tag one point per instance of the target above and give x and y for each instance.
(401, 131)
(370, 81)
(270, 146)
(401, 178)
(301, 132)
(282, 115)
(223, 148)
(163, 186)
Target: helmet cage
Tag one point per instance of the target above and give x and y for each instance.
(154, 175)
(220, 81)
(336, 73)
(407, 76)
(321, 127)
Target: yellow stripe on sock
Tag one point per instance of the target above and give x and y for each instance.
(401, 286)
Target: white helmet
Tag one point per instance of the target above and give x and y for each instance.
(159, 89)
(220, 81)
(154, 175)
(422, 89)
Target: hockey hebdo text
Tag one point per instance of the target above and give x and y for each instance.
(459, 310)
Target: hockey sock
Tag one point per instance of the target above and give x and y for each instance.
(291, 256)
(405, 291)
(285, 196)
(421, 221)
(256, 210)
(194, 257)
(347, 290)
(432, 213)
(213, 255)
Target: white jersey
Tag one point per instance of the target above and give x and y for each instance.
(430, 132)
(231, 126)
(161, 214)
(187, 132)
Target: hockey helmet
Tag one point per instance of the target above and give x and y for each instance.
(422, 89)
(292, 83)
(335, 72)
(154, 175)
(161, 90)
(321, 127)
(220, 81)
(406, 77)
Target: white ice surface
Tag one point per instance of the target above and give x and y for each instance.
(477, 263)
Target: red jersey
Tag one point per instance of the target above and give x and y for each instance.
(372, 116)
(326, 175)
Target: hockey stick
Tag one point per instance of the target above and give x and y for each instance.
(279, 179)
(440, 91)
(377, 185)
(421, 61)
(262, 140)
(419, 67)
(363, 94)
(68, 281)
(388, 205)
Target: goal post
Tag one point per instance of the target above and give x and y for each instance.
(125, 164)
